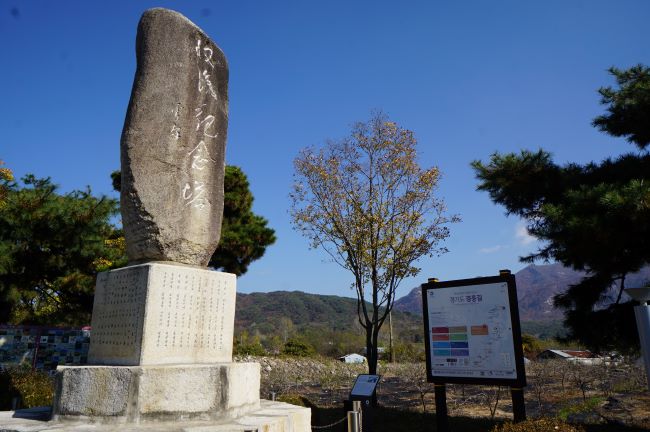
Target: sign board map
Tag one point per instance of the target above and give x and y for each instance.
(471, 333)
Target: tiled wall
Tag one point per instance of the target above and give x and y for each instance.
(43, 347)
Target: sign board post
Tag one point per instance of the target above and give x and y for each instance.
(642, 314)
(440, 393)
(364, 390)
(473, 336)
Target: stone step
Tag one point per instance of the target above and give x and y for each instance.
(271, 417)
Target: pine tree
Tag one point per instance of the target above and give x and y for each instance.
(51, 247)
(593, 217)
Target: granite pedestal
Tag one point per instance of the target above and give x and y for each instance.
(135, 394)
(160, 350)
(270, 417)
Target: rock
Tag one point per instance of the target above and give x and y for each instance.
(173, 143)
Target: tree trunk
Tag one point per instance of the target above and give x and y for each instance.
(391, 353)
(371, 351)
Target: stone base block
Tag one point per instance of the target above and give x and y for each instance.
(133, 394)
(270, 417)
(162, 313)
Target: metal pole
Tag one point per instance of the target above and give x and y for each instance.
(442, 422)
(37, 344)
(642, 314)
(356, 407)
(353, 421)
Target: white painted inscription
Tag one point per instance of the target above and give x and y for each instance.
(193, 190)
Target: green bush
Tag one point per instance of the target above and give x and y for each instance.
(298, 348)
(409, 352)
(34, 388)
(252, 349)
(539, 425)
(531, 345)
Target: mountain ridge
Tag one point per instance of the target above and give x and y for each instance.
(536, 287)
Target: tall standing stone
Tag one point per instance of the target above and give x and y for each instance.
(173, 143)
(172, 149)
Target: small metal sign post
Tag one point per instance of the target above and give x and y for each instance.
(364, 392)
(642, 314)
(473, 336)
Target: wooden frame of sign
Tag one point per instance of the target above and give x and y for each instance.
(472, 331)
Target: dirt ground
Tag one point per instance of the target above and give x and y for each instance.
(606, 395)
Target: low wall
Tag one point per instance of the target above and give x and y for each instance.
(44, 348)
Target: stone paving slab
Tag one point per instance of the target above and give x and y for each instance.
(271, 417)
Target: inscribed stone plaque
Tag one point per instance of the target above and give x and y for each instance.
(158, 313)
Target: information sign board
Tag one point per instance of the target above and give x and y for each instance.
(365, 385)
(472, 331)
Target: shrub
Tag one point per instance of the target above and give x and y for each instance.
(531, 345)
(34, 388)
(252, 349)
(409, 352)
(540, 425)
(298, 348)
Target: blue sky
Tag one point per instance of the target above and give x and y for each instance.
(468, 77)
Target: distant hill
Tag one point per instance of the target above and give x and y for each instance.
(536, 287)
(302, 308)
(264, 311)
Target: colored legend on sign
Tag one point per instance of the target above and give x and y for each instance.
(481, 330)
(449, 341)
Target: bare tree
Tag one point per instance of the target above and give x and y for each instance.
(582, 377)
(368, 204)
(415, 375)
(540, 379)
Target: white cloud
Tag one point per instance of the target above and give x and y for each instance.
(492, 249)
(523, 236)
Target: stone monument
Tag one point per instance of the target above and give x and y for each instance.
(173, 143)
(162, 327)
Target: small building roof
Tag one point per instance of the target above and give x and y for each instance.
(353, 358)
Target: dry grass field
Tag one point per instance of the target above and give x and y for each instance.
(606, 397)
